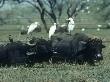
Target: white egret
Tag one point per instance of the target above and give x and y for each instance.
(52, 30)
(71, 25)
(32, 27)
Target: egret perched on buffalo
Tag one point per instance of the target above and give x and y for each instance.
(32, 27)
(71, 25)
(52, 30)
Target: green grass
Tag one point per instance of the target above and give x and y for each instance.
(58, 72)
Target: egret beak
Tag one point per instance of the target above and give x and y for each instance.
(67, 19)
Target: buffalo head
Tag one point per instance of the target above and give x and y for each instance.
(92, 50)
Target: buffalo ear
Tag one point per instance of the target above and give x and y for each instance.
(82, 45)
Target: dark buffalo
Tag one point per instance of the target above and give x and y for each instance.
(17, 53)
(14, 53)
(3, 55)
(78, 48)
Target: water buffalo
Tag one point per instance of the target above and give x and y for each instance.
(14, 53)
(77, 48)
(17, 52)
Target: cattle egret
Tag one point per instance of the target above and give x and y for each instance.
(32, 27)
(83, 29)
(71, 25)
(52, 30)
(98, 29)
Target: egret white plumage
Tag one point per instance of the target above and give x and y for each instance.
(71, 25)
(32, 27)
(52, 30)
